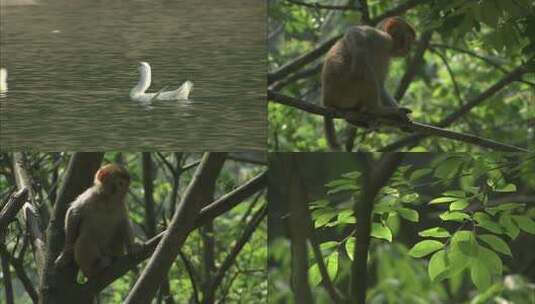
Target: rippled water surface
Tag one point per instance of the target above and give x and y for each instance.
(71, 65)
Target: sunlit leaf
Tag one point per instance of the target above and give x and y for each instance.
(479, 274)
(380, 231)
(350, 247)
(408, 214)
(437, 264)
(525, 223)
(437, 232)
(454, 216)
(510, 227)
(440, 200)
(506, 188)
(458, 205)
(495, 243)
(424, 248)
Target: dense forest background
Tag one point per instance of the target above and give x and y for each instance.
(469, 72)
(222, 260)
(401, 228)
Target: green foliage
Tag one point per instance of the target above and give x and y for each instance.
(467, 230)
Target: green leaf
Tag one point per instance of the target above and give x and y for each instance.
(511, 229)
(328, 245)
(352, 175)
(314, 274)
(346, 217)
(437, 232)
(506, 188)
(380, 231)
(458, 205)
(440, 200)
(417, 174)
(465, 241)
(332, 264)
(437, 265)
(480, 274)
(424, 248)
(457, 261)
(525, 223)
(454, 216)
(408, 214)
(490, 259)
(486, 222)
(346, 187)
(505, 207)
(350, 247)
(455, 193)
(496, 243)
(410, 198)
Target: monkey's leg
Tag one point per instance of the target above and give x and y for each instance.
(87, 255)
(72, 222)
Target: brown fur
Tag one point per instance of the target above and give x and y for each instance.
(97, 227)
(355, 69)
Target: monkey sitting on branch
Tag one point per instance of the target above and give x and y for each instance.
(355, 69)
(97, 227)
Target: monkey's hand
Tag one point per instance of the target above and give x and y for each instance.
(135, 249)
(65, 258)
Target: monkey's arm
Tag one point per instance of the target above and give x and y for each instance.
(72, 225)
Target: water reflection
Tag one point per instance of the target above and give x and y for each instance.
(72, 63)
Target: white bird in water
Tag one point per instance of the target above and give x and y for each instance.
(138, 93)
(3, 80)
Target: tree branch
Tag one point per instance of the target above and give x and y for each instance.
(231, 257)
(375, 176)
(421, 128)
(514, 75)
(11, 208)
(179, 228)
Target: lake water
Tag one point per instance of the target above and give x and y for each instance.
(71, 65)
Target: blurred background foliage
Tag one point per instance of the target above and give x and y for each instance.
(403, 209)
(473, 45)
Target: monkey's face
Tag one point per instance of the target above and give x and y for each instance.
(114, 179)
(402, 33)
(119, 185)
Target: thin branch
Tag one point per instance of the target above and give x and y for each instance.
(232, 256)
(192, 277)
(316, 5)
(515, 75)
(18, 266)
(30, 212)
(489, 61)
(325, 278)
(11, 208)
(414, 64)
(422, 128)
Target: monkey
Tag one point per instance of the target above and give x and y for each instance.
(97, 227)
(355, 69)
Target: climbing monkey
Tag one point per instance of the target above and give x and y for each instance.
(97, 227)
(355, 69)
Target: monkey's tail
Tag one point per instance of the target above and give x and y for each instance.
(330, 134)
